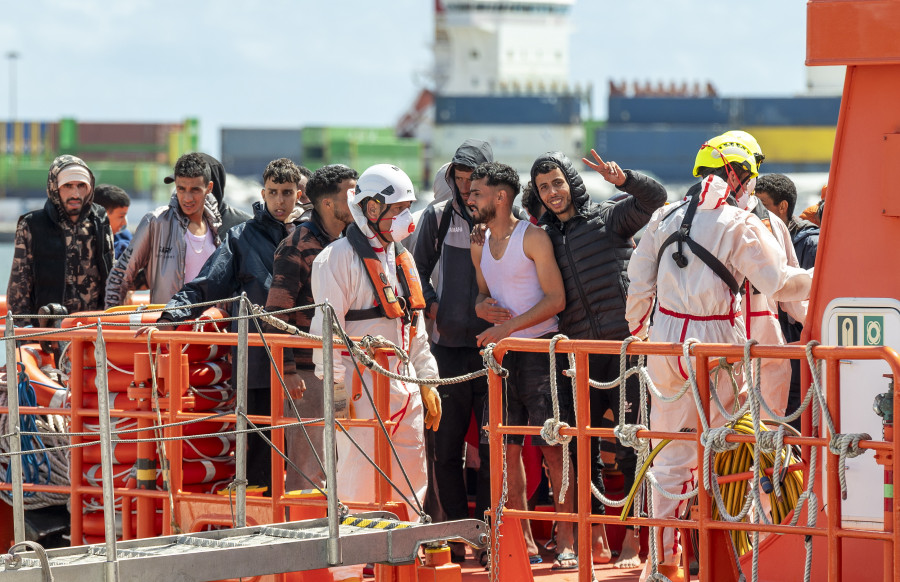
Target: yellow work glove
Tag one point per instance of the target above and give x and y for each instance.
(432, 402)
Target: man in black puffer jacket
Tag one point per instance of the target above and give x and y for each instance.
(593, 243)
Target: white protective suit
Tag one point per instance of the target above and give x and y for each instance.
(339, 276)
(763, 326)
(694, 302)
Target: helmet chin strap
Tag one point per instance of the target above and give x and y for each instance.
(374, 225)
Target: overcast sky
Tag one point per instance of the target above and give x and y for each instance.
(281, 63)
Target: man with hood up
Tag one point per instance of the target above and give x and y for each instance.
(592, 243)
(64, 251)
(448, 282)
(230, 216)
(367, 267)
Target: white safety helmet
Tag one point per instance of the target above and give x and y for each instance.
(385, 183)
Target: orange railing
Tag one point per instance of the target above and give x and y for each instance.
(714, 563)
(193, 511)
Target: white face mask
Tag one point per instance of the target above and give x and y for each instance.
(743, 196)
(402, 226)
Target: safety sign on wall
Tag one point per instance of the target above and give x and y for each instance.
(873, 330)
(863, 322)
(850, 333)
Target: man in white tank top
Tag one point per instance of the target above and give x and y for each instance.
(520, 291)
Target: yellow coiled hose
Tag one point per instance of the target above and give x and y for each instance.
(740, 460)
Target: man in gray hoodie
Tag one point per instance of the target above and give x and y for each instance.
(442, 248)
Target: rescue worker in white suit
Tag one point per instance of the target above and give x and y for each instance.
(369, 267)
(690, 260)
(761, 311)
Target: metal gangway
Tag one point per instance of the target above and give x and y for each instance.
(378, 537)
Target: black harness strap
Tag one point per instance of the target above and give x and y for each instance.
(683, 236)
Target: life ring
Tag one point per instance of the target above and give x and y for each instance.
(209, 373)
(114, 315)
(205, 352)
(210, 397)
(117, 380)
(199, 374)
(92, 524)
(93, 475)
(125, 452)
(210, 317)
(208, 448)
(118, 401)
(204, 471)
(121, 423)
(206, 427)
(122, 353)
(47, 393)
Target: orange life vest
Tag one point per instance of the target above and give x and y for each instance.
(387, 304)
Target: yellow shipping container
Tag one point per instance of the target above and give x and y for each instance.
(795, 144)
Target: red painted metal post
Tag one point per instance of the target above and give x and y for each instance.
(582, 421)
(276, 436)
(76, 460)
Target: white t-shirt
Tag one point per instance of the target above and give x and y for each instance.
(199, 248)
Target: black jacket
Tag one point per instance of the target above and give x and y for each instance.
(242, 263)
(49, 251)
(593, 248)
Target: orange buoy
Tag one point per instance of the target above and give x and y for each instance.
(135, 316)
(92, 524)
(209, 373)
(204, 471)
(206, 427)
(118, 401)
(210, 397)
(209, 448)
(93, 475)
(204, 352)
(47, 392)
(125, 452)
(117, 380)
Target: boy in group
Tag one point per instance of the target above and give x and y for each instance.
(172, 243)
(243, 264)
(520, 291)
(328, 189)
(116, 202)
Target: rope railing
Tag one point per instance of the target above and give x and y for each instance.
(714, 440)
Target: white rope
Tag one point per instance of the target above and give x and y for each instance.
(552, 426)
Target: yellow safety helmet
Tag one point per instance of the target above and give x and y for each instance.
(749, 141)
(722, 150)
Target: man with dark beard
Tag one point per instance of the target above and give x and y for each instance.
(64, 251)
(520, 291)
